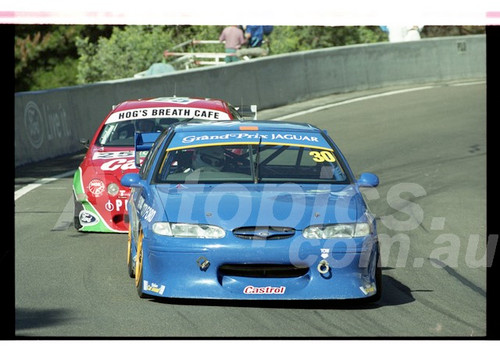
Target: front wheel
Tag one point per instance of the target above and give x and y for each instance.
(76, 216)
(378, 282)
(139, 283)
(130, 258)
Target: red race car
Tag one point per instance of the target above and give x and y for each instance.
(100, 199)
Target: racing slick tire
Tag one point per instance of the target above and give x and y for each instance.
(378, 283)
(76, 217)
(130, 259)
(139, 283)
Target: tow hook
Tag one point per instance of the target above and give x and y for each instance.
(203, 263)
(323, 267)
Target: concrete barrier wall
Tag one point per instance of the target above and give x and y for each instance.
(50, 123)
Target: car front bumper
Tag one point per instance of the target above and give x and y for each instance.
(268, 270)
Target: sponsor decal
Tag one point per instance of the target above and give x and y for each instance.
(248, 136)
(88, 218)
(109, 206)
(168, 112)
(181, 100)
(96, 187)
(118, 205)
(325, 252)
(45, 123)
(123, 194)
(264, 290)
(368, 289)
(154, 287)
(34, 124)
(146, 211)
(100, 155)
(116, 164)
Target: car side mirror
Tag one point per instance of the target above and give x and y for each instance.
(85, 142)
(368, 179)
(131, 180)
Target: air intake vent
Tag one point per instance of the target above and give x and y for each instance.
(264, 232)
(263, 270)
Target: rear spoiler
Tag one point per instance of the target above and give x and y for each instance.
(248, 111)
(143, 142)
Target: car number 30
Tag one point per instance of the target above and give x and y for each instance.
(322, 156)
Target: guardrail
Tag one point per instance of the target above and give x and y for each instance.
(193, 59)
(188, 60)
(50, 123)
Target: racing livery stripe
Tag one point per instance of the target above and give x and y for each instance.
(77, 182)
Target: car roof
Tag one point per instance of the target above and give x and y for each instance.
(198, 102)
(262, 125)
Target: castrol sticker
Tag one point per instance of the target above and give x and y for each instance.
(264, 290)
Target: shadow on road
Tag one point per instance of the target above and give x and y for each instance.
(30, 319)
(29, 173)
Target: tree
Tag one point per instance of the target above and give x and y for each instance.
(132, 49)
(288, 39)
(45, 55)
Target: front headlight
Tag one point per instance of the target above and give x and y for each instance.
(361, 229)
(188, 230)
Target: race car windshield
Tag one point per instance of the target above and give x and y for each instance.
(251, 163)
(122, 133)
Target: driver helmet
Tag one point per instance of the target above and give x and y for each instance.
(211, 157)
(146, 125)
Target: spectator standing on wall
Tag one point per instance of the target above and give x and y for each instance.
(233, 39)
(254, 35)
(255, 38)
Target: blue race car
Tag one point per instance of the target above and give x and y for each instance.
(250, 210)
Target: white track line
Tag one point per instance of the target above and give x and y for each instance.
(353, 100)
(19, 193)
(364, 98)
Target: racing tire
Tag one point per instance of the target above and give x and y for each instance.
(139, 283)
(76, 217)
(130, 259)
(378, 283)
(76, 222)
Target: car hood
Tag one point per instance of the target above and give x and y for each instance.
(238, 205)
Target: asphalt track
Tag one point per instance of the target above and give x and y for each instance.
(428, 146)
